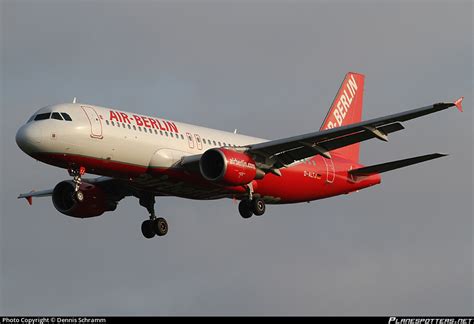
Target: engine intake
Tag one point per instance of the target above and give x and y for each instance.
(227, 167)
(95, 203)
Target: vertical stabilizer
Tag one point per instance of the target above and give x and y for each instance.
(347, 109)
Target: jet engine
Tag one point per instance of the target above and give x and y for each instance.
(96, 201)
(228, 167)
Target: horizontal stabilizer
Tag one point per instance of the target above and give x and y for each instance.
(388, 166)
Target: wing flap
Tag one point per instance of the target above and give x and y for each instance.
(389, 166)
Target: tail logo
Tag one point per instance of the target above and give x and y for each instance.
(347, 95)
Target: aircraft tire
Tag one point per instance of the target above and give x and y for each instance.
(258, 206)
(245, 209)
(79, 196)
(147, 229)
(160, 226)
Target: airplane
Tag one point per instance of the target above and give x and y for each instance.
(148, 157)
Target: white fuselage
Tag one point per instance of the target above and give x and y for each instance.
(110, 134)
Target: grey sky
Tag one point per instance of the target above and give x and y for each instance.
(269, 69)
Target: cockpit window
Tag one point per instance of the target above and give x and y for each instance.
(56, 115)
(66, 117)
(31, 119)
(42, 116)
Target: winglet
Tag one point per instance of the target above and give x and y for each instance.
(458, 104)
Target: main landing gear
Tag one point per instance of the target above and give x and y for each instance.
(154, 225)
(252, 205)
(77, 173)
(248, 207)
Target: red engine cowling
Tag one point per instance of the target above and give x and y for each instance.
(95, 201)
(227, 167)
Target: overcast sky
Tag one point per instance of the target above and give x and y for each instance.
(270, 69)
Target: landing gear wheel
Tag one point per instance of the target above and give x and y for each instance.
(245, 209)
(160, 226)
(147, 229)
(258, 206)
(79, 196)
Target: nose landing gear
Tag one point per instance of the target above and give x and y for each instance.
(154, 225)
(77, 173)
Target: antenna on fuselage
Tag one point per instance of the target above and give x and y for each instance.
(235, 131)
(74, 100)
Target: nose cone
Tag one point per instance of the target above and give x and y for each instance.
(29, 137)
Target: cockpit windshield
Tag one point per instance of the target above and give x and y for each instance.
(54, 115)
(42, 116)
(66, 117)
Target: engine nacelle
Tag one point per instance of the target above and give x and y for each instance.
(95, 203)
(227, 167)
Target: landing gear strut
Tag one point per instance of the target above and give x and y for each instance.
(154, 225)
(77, 173)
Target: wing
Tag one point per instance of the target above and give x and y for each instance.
(109, 183)
(29, 196)
(282, 152)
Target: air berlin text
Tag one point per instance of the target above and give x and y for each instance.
(347, 94)
(143, 121)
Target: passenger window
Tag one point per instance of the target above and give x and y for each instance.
(204, 140)
(219, 143)
(182, 137)
(134, 127)
(156, 132)
(129, 127)
(42, 116)
(161, 133)
(166, 133)
(56, 115)
(214, 142)
(66, 117)
(113, 124)
(171, 134)
(139, 128)
(123, 125)
(107, 122)
(144, 129)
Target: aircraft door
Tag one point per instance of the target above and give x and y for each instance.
(330, 171)
(190, 140)
(94, 120)
(198, 141)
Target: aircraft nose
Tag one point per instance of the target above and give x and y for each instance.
(28, 137)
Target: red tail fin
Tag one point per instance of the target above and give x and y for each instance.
(347, 109)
